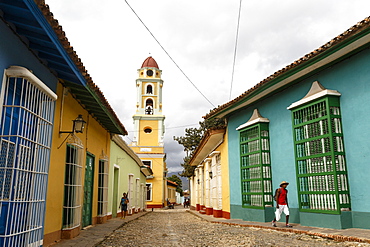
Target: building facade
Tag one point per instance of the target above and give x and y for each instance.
(149, 130)
(171, 194)
(209, 186)
(28, 96)
(56, 127)
(127, 174)
(305, 124)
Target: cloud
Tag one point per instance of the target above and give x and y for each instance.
(200, 37)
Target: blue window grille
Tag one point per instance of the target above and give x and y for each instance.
(25, 139)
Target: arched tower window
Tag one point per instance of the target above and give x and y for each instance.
(149, 89)
(149, 107)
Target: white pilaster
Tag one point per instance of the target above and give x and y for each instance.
(207, 183)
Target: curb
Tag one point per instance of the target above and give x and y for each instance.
(338, 238)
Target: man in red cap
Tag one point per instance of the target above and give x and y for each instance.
(281, 198)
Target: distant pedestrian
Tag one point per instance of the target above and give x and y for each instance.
(124, 202)
(281, 198)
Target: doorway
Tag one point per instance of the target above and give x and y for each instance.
(88, 191)
(115, 193)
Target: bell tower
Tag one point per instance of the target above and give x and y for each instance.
(149, 130)
(149, 120)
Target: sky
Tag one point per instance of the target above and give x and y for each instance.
(200, 37)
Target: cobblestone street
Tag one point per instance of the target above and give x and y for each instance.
(180, 228)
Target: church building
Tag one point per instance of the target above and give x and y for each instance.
(148, 140)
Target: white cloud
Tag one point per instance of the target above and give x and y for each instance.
(200, 36)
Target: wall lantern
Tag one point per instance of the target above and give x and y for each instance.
(211, 174)
(78, 125)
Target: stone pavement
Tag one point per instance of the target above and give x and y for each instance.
(340, 235)
(93, 235)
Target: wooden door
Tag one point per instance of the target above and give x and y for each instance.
(88, 191)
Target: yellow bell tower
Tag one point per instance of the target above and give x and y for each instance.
(149, 130)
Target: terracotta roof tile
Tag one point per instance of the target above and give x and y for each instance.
(335, 41)
(77, 61)
(171, 182)
(150, 62)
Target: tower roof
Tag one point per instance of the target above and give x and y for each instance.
(150, 62)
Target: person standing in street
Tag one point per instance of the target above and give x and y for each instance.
(281, 198)
(124, 202)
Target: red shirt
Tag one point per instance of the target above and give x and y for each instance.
(282, 197)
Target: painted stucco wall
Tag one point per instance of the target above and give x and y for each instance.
(148, 139)
(225, 185)
(126, 165)
(14, 52)
(351, 78)
(95, 139)
(158, 182)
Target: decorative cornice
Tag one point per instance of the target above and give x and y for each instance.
(17, 71)
(122, 144)
(256, 118)
(317, 91)
(148, 117)
(210, 141)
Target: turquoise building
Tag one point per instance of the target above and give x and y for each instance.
(308, 124)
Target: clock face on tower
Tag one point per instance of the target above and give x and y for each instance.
(149, 72)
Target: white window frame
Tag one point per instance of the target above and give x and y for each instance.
(137, 193)
(151, 98)
(103, 187)
(151, 192)
(72, 205)
(131, 193)
(26, 118)
(151, 163)
(146, 89)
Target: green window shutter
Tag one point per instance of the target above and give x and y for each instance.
(320, 156)
(255, 166)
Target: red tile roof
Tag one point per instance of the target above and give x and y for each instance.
(171, 182)
(360, 26)
(150, 62)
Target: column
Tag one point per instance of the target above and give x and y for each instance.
(192, 192)
(201, 185)
(197, 189)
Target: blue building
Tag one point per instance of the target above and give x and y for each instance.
(35, 56)
(306, 124)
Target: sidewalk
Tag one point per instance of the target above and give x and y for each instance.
(340, 235)
(93, 235)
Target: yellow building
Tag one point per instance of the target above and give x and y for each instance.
(171, 191)
(77, 185)
(209, 187)
(149, 130)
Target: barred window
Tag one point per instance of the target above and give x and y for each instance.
(149, 192)
(26, 114)
(255, 166)
(103, 187)
(320, 156)
(72, 184)
(147, 163)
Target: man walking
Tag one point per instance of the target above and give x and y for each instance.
(281, 198)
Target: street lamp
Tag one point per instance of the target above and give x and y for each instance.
(78, 125)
